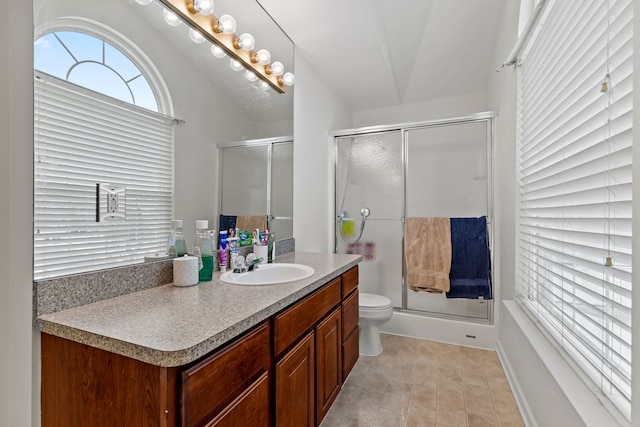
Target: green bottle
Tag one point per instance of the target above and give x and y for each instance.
(203, 247)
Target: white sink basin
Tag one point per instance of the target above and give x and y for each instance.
(269, 274)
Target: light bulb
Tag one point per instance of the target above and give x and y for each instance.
(235, 65)
(144, 2)
(276, 69)
(217, 51)
(203, 7)
(263, 85)
(246, 41)
(288, 79)
(171, 18)
(196, 36)
(226, 24)
(262, 57)
(251, 76)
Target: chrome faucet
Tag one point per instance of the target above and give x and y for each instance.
(240, 265)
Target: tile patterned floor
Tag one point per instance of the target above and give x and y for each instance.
(419, 383)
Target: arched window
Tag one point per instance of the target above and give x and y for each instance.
(102, 123)
(91, 62)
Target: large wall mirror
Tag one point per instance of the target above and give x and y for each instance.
(213, 105)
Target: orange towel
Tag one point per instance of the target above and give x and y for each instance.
(427, 253)
(251, 222)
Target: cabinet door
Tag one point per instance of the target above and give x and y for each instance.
(295, 386)
(328, 362)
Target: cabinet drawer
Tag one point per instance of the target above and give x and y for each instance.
(251, 408)
(350, 314)
(213, 383)
(349, 281)
(350, 352)
(295, 321)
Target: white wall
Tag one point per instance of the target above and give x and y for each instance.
(455, 106)
(18, 394)
(316, 112)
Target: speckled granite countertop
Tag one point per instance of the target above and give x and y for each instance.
(171, 326)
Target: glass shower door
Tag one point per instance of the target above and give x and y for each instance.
(369, 174)
(446, 176)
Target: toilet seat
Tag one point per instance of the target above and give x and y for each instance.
(373, 302)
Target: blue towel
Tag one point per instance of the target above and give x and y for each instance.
(470, 274)
(227, 221)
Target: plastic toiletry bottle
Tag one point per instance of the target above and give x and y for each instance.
(222, 238)
(177, 245)
(203, 247)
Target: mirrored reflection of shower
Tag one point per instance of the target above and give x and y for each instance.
(423, 170)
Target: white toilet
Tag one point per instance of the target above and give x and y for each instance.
(375, 310)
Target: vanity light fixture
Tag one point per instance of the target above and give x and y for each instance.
(217, 51)
(277, 69)
(262, 57)
(203, 7)
(226, 25)
(196, 36)
(171, 18)
(288, 79)
(198, 14)
(251, 76)
(235, 65)
(245, 42)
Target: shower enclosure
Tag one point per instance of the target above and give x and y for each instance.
(428, 169)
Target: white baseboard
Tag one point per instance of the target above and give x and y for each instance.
(525, 410)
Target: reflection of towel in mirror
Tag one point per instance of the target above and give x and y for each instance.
(251, 222)
(470, 259)
(427, 253)
(227, 222)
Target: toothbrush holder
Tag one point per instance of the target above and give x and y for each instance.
(260, 252)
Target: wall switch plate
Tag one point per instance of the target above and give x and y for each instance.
(110, 202)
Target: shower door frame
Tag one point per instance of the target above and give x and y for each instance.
(269, 143)
(487, 117)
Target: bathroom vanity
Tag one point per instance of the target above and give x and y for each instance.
(214, 354)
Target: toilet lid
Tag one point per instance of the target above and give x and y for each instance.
(373, 301)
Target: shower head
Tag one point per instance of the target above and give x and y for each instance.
(364, 212)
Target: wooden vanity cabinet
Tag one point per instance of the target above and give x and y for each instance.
(83, 385)
(86, 386)
(286, 371)
(309, 336)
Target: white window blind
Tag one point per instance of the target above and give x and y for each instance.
(83, 138)
(575, 187)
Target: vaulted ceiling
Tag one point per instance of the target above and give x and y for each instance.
(378, 53)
